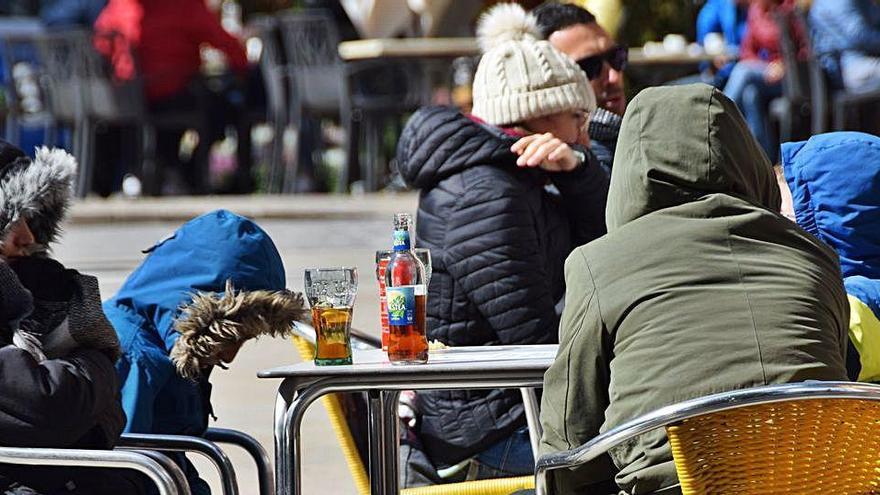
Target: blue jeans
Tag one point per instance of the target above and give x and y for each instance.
(509, 457)
(752, 94)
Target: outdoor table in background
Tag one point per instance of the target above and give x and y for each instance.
(486, 367)
(408, 48)
(653, 68)
(638, 57)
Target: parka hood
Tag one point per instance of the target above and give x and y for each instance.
(38, 190)
(834, 180)
(679, 144)
(438, 142)
(200, 257)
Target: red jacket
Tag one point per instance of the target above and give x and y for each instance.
(762, 33)
(165, 35)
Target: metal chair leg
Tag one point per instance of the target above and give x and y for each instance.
(180, 443)
(253, 447)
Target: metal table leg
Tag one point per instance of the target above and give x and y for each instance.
(391, 447)
(533, 418)
(282, 461)
(378, 441)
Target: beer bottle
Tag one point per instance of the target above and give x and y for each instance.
(406, 296)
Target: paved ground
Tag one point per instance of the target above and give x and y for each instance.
(105, 238)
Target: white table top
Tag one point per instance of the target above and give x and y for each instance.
(374, 363)
(458, 47)
(408, 48)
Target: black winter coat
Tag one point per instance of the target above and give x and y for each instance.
(499, 239)
(69, 402)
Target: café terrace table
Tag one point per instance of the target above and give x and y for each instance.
(520, 366)
(378, 48)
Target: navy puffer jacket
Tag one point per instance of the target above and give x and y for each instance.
(498, 236)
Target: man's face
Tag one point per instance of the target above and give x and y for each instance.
(585, 40)
(18, 242)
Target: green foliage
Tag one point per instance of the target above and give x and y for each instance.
(651, 20)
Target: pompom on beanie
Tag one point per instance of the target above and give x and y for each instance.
(521, 77)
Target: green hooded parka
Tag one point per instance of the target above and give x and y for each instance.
(699, 287)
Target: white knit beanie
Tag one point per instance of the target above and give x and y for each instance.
(521, 77)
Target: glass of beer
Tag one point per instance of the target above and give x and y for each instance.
(331, 293)
(382, 257)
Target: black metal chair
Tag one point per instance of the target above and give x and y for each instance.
(364, 95)
(63, 79)
(317, 82)
(274, 71)
(793, 110)
(839, 107)
(83, 94)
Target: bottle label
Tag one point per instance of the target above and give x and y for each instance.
(402, 303)
(400, 240)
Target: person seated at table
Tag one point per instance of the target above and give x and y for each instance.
(830, 187)
(575, 32)
(699, 287)
(846, 38)
(727, 18)
(506, 194)
(217, 282)
(165, 38)
(757, 77)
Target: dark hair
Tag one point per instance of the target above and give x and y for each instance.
(553, 16)
(11, 157)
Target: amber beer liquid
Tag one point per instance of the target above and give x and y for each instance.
(406, 298)
(332, 328)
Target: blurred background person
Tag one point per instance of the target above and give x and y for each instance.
(575, 32)
(831, 185)
(161, 41)
(757, 77)
(726, 18)
(846, 38)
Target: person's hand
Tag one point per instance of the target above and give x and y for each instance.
(775, 71)
(720, 61)
(545, 151)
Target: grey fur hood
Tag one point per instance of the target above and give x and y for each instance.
(39, 191)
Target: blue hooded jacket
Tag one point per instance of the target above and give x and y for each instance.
(200, 256)
(835, 185)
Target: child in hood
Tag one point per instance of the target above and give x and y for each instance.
(217, 282)
(833, 181)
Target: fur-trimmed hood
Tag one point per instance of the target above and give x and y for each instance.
(212, 322)
(39, 191)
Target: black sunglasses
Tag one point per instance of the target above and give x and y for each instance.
(617, 57)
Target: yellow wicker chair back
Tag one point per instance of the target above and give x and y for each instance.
(796, 447)
(501, 486)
